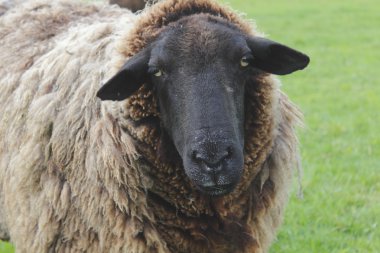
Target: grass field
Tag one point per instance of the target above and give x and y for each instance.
(340, 96)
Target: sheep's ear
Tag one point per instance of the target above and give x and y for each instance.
(276, 58)
(129, 79)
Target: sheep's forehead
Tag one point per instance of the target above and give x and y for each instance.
(200, 38)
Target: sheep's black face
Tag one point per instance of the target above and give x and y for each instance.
(199, 80)
(198, 67)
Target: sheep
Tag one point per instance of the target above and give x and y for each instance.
(78, 174)
(133, 5)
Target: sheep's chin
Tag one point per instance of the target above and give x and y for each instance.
(213, 189)
(216, 191)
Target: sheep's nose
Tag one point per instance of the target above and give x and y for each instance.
(215, 167)
(212, 160)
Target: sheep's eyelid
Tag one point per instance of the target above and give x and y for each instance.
(153, 69)
(248, 57)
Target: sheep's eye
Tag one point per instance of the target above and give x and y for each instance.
(157, 73)
(245, 60)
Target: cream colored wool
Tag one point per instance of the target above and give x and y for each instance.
(7, 4)
(81, 175)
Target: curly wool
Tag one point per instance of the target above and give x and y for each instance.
(5, 5)
(86, 176)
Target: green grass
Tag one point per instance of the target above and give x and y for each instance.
(6, 247)
(340, 96)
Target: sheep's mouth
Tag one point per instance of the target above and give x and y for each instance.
(216, 190)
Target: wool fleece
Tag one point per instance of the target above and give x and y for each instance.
(81, 175)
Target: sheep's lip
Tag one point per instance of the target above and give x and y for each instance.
(217, 190)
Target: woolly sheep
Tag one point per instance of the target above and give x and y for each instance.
(81, 175)
(133, 5)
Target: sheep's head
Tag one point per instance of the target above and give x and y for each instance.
(198, 68)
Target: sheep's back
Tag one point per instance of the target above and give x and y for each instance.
(54, 57)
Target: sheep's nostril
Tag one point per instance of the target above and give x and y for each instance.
(211, 159)
(229, 153)
(196, 157)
